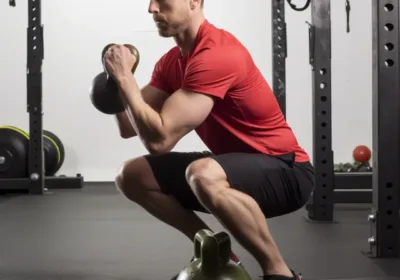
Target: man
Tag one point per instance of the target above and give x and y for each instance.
(210, 84)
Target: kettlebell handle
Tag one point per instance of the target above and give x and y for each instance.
(212, 249)
(136, 54)
(132, 49)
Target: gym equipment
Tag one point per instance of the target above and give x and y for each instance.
(362, 153)
(363, 167)
(104, 91)
(382, 185)
(352, 167)
(54, 153)
(279, 45)
(344, 167)
(35, 181)
(212, 259)
(14, 145)
(294, 7)
(348, 8)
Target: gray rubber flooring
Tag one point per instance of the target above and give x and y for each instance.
(95, 233)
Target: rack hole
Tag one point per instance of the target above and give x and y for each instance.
(389, 46)
(389, 62)
(389, 26)
(389, 7)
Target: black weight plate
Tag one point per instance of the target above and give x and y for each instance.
(58, 145)
(51, 156)
(14, 145)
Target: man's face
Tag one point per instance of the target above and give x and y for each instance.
(171, 16)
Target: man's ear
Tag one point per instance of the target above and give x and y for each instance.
(195, 4)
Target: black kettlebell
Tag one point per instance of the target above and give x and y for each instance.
(212, 259)
(104, 90)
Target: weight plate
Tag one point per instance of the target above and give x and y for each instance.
(55, 142)
(50, 156)
(23, 132)
(14, 145)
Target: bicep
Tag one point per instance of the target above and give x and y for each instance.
(154, 97)
(185, 110)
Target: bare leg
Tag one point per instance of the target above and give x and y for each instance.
(136, 181)
(238, 212)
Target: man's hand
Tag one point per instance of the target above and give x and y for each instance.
(119, 61)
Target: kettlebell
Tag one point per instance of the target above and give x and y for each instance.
(104, 92)
(212, 259)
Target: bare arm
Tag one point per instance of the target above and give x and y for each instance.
(160, 130)
(154, 97)
(208, 78)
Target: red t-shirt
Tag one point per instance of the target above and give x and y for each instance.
(246, 117)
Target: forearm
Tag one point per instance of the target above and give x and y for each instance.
(148, 122)
(125, 125)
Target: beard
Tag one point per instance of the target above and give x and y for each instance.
(164, 29)
(167, 30)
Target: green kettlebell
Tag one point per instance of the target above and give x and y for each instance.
(212, 260)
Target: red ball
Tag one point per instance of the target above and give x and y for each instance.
(362, 154)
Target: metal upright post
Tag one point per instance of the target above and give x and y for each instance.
(320, 206)
(35, 181)
(384, 217)
(279, 52)
(34, 96)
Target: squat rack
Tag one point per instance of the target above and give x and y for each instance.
(36, 183)
(382, 186)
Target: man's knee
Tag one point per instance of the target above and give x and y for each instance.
(207, 179)
(134, 178)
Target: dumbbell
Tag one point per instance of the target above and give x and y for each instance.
(104, 92)
(363, 167)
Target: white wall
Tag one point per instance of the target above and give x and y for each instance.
(76, 31)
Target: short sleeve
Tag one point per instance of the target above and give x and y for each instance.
(212, 72)
(158, 78)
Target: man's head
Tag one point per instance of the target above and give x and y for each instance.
(174, 16)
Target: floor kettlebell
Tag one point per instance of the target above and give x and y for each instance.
(212, 260)
(104, 90)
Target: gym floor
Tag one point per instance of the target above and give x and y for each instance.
(96, 233)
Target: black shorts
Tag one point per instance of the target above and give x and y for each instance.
(278, 184)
